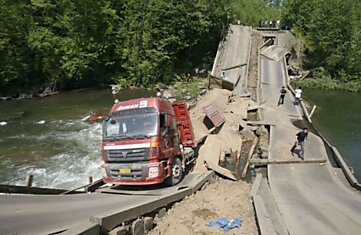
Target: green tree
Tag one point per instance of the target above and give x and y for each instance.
(249, 12)
(330, 29)
(68, 43)
(15, 55)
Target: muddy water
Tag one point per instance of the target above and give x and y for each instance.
(46, 137)
(338, 117)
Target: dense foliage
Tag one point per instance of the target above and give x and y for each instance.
(68, 43)
(331, 30)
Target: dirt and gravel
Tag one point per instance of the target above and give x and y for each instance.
(220, 198)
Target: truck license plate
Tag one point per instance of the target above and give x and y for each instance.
(125, 171)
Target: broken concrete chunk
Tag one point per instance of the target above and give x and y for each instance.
(211, 152)
(247, 133)
(262, 130)
(223, 171)
(242, 124)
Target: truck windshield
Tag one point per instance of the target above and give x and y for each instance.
(131, 126)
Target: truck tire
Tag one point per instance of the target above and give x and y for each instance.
(177, 172)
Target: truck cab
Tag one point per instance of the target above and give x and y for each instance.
(146, 141)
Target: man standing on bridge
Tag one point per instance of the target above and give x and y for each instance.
(283, 92)
(298, 93)
(301, 137)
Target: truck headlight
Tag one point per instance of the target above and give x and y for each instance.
(153, 171)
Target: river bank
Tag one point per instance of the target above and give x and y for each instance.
(328, 84)
(337, 117)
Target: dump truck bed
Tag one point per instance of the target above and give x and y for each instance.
(184, 124)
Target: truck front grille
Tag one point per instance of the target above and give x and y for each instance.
(127, 155)
(137, 172)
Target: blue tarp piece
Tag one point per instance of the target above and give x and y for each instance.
(235, 223)
(225, 224)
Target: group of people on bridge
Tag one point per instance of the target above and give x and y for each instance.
(302, 135)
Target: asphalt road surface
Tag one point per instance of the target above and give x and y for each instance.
(311, 198)
(44, 214)
(235, 54)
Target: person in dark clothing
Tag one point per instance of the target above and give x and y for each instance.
(301, 137)
(283, 92)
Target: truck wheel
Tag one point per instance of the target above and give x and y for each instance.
(177, 172)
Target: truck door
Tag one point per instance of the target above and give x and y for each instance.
(167, 136)
(175, 136)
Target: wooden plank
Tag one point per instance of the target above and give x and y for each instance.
(264, 162)
(235, 66)
(313, 110)
(238, 157)
(90, 179)
(250, 153)
(259, 123)
(29, 180)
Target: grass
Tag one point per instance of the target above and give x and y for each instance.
(191, 87)
(328, 84)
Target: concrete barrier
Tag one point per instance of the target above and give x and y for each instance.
(217, 58)
(249, 56)
(259, 90)
(220, 51)
(346, 170)
(303, 107)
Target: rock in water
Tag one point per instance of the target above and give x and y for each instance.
(3, 123)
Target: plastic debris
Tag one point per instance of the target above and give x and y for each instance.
(225, 224)
(93, 117)
(235, 223)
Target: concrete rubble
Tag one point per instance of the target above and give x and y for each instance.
(227, 137)
(224, 197)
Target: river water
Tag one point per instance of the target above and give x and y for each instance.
(64, 151)
(46, 137)
(338, 118)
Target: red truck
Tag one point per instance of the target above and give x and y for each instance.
(147, 141)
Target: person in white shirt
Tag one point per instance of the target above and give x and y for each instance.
(298, 93)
